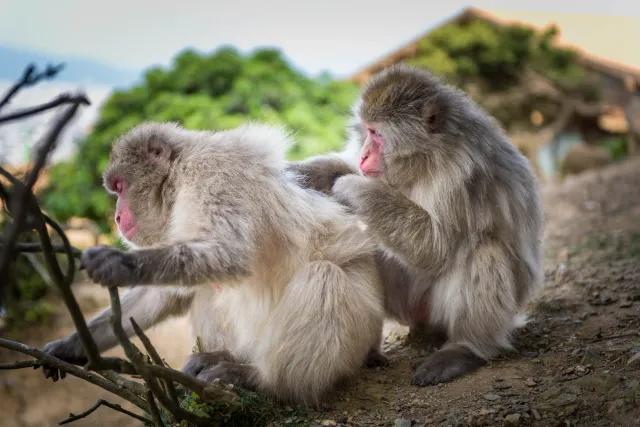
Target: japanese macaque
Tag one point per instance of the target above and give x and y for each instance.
(454, 207)
(280, 282)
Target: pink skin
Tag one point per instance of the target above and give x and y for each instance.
(124, 217)
(371, 153)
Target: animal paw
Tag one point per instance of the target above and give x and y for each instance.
(109, 266)
(445, 365)
(199, 362)
(376, 359)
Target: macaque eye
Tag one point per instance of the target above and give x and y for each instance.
(117, 185)
(373, 132)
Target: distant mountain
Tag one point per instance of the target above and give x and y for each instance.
(77, 70)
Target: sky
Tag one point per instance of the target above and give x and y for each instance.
(339, 36)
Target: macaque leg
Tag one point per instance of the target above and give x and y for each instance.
(376, 358)
(147, 305)
(199, 362)
(477, 326)
(245, 376)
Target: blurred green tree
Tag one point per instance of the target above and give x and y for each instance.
(216, 91)
(510, 70)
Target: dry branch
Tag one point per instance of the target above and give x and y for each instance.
(74, 370)
(61, 100)
(100, 403)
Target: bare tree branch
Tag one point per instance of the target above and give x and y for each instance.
(60, 100)
(75, 371)
(30, 78)
(132, 386)
(154, 409)
(100, 403)
(155, 357)
(37, 247)
(20, 365)
(143, 369)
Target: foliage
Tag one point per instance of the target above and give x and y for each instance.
(487, 59)
(216, 91)
(617, 146)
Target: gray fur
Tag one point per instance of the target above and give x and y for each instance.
(299, 304)
(457, 214)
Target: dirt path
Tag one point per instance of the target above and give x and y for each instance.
(574, 363)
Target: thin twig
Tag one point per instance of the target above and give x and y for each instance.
(133, 386)
(155, 413)
(75, 371)
(32, 111)
(20, 365)
(29, 79)
(136, 358)
(37, 247)
(71, 266)
(100, 403)
(613, 337)
(155, 357)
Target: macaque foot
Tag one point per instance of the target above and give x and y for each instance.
(243, 376)
(376, 358)
(445, 365)
(199, 362)
(68, 350)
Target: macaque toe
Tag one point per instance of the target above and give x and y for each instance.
(376, 359)
(445, 365)
(203, 361)
(243, 376)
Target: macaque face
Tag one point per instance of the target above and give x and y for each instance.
(372, 152)
(125, 219)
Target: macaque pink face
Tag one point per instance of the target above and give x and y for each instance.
(124, 216)
(371, 154)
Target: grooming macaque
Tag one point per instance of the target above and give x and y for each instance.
(455, 208)
(297, 303)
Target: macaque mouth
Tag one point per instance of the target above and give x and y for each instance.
(128, 234)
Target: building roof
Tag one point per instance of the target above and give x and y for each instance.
(606, 43)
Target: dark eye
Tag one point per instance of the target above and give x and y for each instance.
(373, 132)
(117, 186)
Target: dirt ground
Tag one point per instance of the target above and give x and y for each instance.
(576, 363)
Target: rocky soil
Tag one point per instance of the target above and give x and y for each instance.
(576, 363)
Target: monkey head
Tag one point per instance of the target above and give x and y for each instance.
(137, 174)
(401, 111)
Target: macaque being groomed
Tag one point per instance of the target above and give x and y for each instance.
(454, 206)
(298, 303)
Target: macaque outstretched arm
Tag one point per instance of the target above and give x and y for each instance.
(186, 263)
(146, 305)
(320, 172)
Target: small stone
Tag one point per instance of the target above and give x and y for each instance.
(491, 397)
(536, 415)
(626, 304)
(328, 423)
(530, 353)
(530, 382)
(502, 386)
(342, 420)
(512, 419)
(634, 360)
(400, 422)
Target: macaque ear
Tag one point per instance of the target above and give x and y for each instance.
(435, 112)
(158, 149)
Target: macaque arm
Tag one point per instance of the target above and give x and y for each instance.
(396, 221)
(320, 172)
(148, 306)
(195, 262)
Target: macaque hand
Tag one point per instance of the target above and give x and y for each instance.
(66, 349)
(109, 266)
(353, 190)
